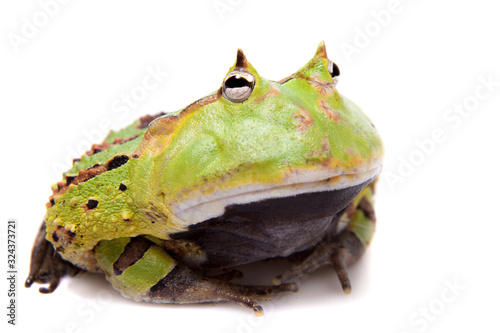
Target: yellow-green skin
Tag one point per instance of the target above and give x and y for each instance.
(296, 126)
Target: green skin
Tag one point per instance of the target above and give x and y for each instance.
(300, 125)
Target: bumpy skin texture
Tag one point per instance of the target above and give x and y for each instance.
(121, 207)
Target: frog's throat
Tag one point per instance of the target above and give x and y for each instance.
(199, 207)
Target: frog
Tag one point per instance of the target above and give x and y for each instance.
(171, 206)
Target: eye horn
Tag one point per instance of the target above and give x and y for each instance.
(238, 86)
(333, 69)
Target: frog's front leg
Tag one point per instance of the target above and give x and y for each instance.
(47, 265)
(144, 271)
(341, 248)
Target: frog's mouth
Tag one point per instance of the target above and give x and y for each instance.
(202, 207)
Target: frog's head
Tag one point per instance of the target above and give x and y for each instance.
(255, 139)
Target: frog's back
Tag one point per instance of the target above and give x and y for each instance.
(92, 198)
(121, 142)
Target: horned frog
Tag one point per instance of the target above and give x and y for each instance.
(258, 169)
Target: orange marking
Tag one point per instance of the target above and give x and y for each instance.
(304, 119)
(330, 112)
(325, 148)
(323, 87)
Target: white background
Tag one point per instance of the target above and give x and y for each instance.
(411, 70)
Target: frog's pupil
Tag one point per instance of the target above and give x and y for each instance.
(237, 82)
(334, 69)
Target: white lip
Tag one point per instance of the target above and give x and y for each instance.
(203, 207)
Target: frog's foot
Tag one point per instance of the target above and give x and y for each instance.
(337, 253)
(47, 266)
(182, 285)
(144, 271)
(342, 249)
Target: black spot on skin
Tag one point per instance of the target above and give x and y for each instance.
(117, 162)
(135, 156)
(95, 166)
(91, 204)
(69, 179)
(55, 237)
(52, 202)
(75, 160)
(122, 187)
(60, 249)
(95, 151)
(71, 235)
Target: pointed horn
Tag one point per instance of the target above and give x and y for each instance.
(241, 60)
(321, 51)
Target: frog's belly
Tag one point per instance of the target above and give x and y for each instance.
(266, 229)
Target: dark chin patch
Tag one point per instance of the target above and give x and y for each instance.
(269, 228)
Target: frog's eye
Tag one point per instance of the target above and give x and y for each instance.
(333, 69)
(238, 86)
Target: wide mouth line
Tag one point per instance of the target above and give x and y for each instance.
(214, 205)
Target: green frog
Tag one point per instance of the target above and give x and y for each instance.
(259, 169)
